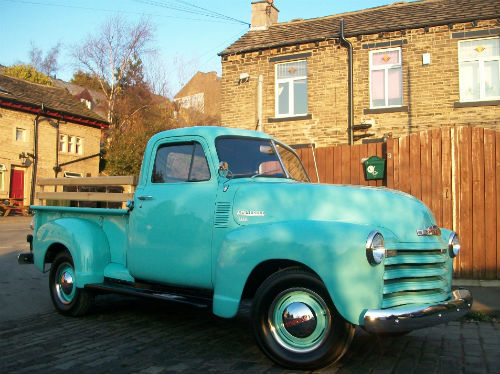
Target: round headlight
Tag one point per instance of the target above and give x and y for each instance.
(375, 249)
(454, 245)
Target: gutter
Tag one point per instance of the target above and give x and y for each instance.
(350, 107)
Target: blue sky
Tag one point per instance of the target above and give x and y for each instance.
(187, 41)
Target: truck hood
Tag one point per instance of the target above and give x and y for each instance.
(259, 201)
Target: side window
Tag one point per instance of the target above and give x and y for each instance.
(180, 163)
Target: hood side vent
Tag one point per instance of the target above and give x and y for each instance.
(222, 214)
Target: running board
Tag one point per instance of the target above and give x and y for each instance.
(129, 289)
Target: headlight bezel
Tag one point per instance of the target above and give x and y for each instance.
(375, 248)
(454, 245)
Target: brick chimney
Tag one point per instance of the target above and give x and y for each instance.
(264, 14)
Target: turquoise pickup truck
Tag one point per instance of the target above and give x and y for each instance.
(221, 215)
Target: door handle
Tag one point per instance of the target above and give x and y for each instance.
(145, 197)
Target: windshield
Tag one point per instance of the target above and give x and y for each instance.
(253, 157)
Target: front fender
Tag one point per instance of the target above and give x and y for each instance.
(335, 251)
(86, 242)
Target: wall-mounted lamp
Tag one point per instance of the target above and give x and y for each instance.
(26, 159)
(244, 77)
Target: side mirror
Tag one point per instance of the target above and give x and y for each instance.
(223, 169)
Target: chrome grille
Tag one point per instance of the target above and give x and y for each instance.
(415, 277)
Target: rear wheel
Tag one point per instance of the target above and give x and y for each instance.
(295, 322)
(66, 297)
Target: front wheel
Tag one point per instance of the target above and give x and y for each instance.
(295, 322)
(66, 297)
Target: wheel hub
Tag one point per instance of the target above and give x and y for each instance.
(299, 320)
(66, 283)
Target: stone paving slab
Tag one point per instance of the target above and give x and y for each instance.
(130, 335)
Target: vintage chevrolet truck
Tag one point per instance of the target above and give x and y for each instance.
(221, 215)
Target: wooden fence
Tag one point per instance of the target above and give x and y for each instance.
(454, 171)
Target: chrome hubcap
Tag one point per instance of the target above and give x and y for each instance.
(66, 283)
(65, 289)
(299, 320)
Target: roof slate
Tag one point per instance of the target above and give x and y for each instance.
(397, 16)
(53, 98)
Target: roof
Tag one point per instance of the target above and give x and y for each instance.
(200, 82)
(54, 102)
(397, 16)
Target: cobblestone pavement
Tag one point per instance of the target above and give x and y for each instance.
(129, 335)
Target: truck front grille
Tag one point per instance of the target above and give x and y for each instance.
(415, 277)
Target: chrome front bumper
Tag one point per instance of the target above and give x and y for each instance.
(399, 320)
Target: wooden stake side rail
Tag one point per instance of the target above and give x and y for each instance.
(86, 196)
(124, 184)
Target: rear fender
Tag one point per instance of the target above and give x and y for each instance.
(86, 242)
(335, 251)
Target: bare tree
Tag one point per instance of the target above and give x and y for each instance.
(157, 73)
(48, 64)
(108, 54)
(35, 56)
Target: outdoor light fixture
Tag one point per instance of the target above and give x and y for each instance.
(26, 158)
(244, 77)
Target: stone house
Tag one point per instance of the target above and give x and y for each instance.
(44, 133)
(199, 100)
(364, 75)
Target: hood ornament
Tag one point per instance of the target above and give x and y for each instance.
(432, 230)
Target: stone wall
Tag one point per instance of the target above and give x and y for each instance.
(430, 92)
(47, 148)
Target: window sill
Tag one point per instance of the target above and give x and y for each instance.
(386, 110)
(287, 119)
(469, 104)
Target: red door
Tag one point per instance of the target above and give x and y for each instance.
(17, 184)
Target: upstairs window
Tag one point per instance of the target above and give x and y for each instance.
(70, 144)
(479, 69)
(20, 134)
(180, 163)
(386, 78)
(291, 89)
(63, 143)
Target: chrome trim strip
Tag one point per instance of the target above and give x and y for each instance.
(399, 320)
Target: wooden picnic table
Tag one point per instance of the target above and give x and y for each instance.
(12, 204)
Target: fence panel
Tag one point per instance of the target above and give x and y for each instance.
(454, 171)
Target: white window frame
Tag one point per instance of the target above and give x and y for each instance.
(78, 145)
(64, 142)
(71, 144)
(482, 80)
(23, 132)
(291, 99)
(386, 69)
